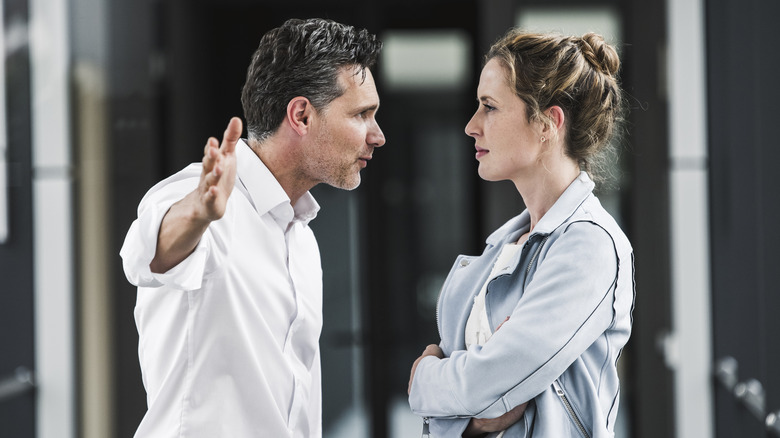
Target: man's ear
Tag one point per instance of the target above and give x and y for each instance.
(299, 115)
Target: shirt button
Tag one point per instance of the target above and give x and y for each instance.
(464, 262)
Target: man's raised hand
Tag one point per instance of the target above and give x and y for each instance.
(219, 171)
(185, 222)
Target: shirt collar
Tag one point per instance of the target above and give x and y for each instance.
(265, 192)
(564, 207)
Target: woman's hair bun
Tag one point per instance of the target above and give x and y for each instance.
(599, 54)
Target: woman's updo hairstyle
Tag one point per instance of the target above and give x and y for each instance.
(578, 74)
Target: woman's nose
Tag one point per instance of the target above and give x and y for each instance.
(472, 126)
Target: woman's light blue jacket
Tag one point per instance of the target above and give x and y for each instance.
(569, 294)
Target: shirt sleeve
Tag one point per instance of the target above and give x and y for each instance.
(565, 307)
(141, 241)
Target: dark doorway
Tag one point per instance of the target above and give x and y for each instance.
(745, 207)
(17, 341)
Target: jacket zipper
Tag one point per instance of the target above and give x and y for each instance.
(536, 254)
(533, 259)
(570, 409)
(426, 429)
(438, 324)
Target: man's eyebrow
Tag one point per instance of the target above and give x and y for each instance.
(369, 107)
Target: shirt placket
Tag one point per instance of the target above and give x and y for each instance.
(299, 396)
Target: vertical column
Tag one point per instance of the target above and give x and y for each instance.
(689, 350)
(3, 139)
(52, 223)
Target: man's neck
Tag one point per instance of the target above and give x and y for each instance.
(279, 157)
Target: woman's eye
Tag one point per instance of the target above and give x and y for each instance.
(488, 107)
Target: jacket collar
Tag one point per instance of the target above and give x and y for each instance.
(265, 192)
(571, 199)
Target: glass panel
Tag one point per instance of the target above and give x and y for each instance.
(572, 21)
(425, 60)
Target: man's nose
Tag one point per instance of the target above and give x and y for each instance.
(376, 136)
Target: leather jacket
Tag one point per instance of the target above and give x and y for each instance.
(569, 295)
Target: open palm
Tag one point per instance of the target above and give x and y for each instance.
(219, 172)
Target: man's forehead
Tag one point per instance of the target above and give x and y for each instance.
(355, 74)
(359, 83)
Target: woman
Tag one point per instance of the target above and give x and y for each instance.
(557, 279)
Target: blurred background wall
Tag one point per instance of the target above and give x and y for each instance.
(101, 99)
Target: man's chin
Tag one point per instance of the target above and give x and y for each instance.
(347, 184)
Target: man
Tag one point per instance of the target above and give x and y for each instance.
(229, 306)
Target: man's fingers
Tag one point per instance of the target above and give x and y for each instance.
(213, 150)
(211, 177)
(210, 154)
(213, 192)
(232, 134)
(210, 143)
(219, 170)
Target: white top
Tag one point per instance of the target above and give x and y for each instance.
(478, 329)
(229, 338)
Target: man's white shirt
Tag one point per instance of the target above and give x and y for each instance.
(229, 338)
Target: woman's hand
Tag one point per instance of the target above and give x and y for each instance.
(431, 350)
(479, 426)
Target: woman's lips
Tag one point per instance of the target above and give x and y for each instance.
(480, 152)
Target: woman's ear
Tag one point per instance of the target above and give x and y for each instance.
(299, 113)
(556, 116)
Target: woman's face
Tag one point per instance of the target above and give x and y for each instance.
(508, 145)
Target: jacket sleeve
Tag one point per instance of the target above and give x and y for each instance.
(565, 307)
(448, 427)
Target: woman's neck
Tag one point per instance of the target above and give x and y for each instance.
(542, 191)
